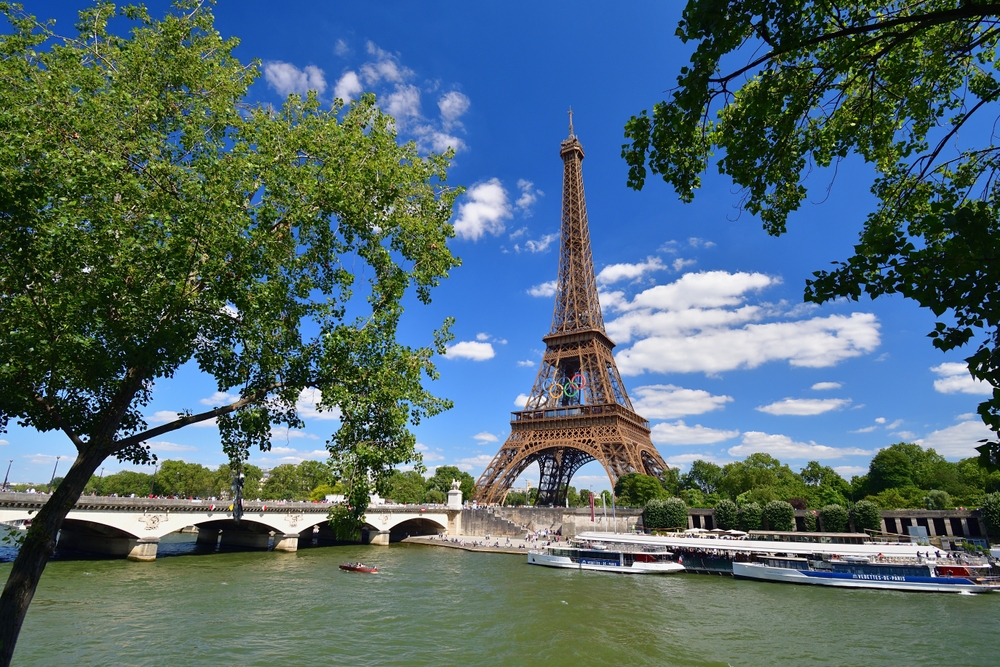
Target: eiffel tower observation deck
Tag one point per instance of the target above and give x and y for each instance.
(578, 410)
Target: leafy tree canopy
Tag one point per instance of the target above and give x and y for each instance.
(444, 475)
(150, 217)
(779, 87)
(635, 489)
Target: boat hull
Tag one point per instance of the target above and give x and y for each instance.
(602, 565)
(759, 572)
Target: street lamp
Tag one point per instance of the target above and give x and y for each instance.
(153, 480)
(7, 476)
(100, 484)
(54, 471)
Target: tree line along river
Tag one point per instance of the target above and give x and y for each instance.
(433, 606)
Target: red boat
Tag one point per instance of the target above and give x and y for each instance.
(359, 567)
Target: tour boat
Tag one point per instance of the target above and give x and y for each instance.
(359, 567)
(859, 572)
(603, 560)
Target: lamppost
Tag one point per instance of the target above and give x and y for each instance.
(153, 480)
(54, 471)
(10, 462)
(100, 483)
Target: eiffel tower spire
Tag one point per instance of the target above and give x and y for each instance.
(578, 410)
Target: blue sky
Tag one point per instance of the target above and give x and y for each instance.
(714, 342)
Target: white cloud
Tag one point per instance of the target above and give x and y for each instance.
(541, 245)
(517, 233)
(783, 447)
(219, 398)
(679, 263)
(955, 378)
(683, 461)
(958, 441)
(470, 349)
(804, 406)
(905, 435)
(286, 78)
(545, 289)
(437, 141)
(165, 416)
(47, 459)
(286, 434)
(696, 242)
(341, 48)
(847, 472)
(385, 67)
(484, 211)
(702, 323)
(163, 446)
(452, 106)
(526, 363)
(880, 420)
(484, 437)
(965, 416)
(3, 442)
(529, 195)
(480, 461)
(615, 272)
(679, 433)
(403, 102)
(666, 401)
(521, 400)
(306, 404)
(895, 424)
(348, 87)
(823, 386)
(867, 429)
(482, 336)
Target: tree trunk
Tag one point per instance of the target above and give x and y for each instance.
(39, 543)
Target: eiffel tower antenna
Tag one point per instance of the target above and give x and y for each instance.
(578, 410)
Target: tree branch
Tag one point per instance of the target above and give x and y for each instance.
(53, 413)
(194, 419)
(926, 20)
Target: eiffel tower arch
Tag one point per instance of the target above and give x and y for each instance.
(578, 410)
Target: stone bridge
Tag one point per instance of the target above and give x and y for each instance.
(132, 527)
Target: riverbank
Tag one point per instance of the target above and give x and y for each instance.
(516, 545)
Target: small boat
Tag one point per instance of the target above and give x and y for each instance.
(857, 572)
(359, 567)
(605, 560)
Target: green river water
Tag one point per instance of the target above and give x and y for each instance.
(436, 606)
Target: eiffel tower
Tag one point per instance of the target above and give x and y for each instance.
(578, 410)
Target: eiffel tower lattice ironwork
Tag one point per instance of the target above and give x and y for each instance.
(578, 410)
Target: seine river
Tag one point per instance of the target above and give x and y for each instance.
(434, 606)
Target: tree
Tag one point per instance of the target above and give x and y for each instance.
(750, 515)
(866, 516)
(443, 477)
(726, 514)
(779, 515)
(991, 513)
(313, 474)
(834, 519)
(937, 499)
(177, 478)
(892, 82)
(889, 469)
(223, 482)
(704, 476)
(406, 487)
(635, 489)
(149, 217)
(663, 513)
(126, 483)
(283, 483)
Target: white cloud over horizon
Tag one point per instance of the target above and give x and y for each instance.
(667, 401)
(783, 447)
(615, 272)
(804, 406)
(679, 433)
(702, 323)
(958, 441)
(825, 386)
(545, 289)
(470, 349)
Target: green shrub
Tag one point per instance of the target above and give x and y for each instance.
(654, 515)
(750, 516)
(834, 519)
(937, 500)
(991, 513)
(779, 515)
(810, 521)
(726, 515)
(866, 516)
(676, 513)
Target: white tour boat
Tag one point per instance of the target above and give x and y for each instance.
(604, 560)
(863, 572)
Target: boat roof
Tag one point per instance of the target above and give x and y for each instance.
(755, 546)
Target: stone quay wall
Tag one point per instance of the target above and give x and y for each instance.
(568, 521)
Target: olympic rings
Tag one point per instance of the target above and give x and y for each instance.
(570, 389)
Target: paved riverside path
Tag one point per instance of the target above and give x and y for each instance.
(518, 545)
